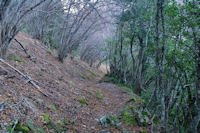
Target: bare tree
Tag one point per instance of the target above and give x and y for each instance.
(12, 15)
(80, 18)
(44, 21)
(3, 6)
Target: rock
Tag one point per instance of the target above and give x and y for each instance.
(92, 127)
(84, 126)
(3, 71)
(5, 123)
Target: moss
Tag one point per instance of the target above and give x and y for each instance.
(83, 101)
(126, 88)
(20, 127)
(15, 58)
(46, 118)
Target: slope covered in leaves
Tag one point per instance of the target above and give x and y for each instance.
(69, 97)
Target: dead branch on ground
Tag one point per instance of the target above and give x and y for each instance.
(29, 79)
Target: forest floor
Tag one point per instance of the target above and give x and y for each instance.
(72, 92)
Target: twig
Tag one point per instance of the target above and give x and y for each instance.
(26, 52)
(16, 122)
(152, 124)
(2, 105)
(29, 79)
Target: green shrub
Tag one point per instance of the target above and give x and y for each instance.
(136, 115)
(109, 120)
(57, 127)
(127, 118)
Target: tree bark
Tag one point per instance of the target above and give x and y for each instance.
(196, 120)
(157, 49)
(162, 62)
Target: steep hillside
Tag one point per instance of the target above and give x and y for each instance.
(66, 95)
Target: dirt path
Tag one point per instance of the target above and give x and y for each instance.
(112, 102)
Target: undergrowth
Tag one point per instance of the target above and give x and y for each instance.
(15, 58)
(109, 120)
(58, 127)
(31, 126)
(98, 94)
(83, 101)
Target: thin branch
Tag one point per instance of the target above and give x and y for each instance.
(26, 52)
(29, 79)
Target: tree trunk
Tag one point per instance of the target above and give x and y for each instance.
(8, 32)
(196, 120)
(157, 49)
(162, 63)
(141, 63)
